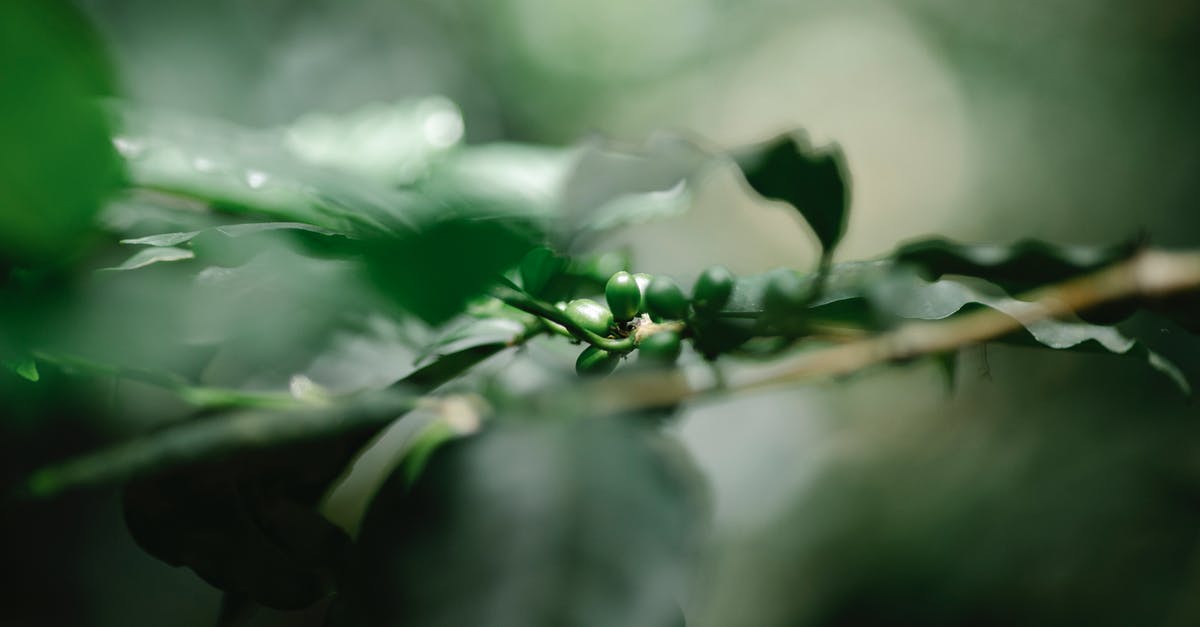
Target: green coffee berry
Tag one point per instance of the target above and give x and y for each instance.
(712, 289)
(595, 361)
(785, 294)
(623, 295)
(661, 348)
(590, 315)
(664, 299)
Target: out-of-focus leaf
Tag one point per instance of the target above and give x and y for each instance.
(253, 171)
(435, 272)
(248, 526)
(477, 332)
(816, 183)
(57, 163)
(231, 230)
(222, 436)
(1183, 308)
(158, 254)
(610, 188)
(25, 368)
(538, 268)
(1017, 267)
(524, 179)
(564, 522)
(843, 281)
(393, 143)
(269, 420)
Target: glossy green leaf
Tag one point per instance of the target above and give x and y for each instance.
(57, 163)
(815, 182)
(562, 522)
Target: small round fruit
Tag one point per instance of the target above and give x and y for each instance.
(643, 282)
(785, 294)
(595, 361)
(712, 289)
(661, 348)
(623, 295)
(590, 315)
(665, 300)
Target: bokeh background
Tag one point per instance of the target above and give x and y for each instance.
(1071, 121)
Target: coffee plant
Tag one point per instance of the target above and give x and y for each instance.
(288, 307)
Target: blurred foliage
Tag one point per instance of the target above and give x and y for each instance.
(542, 536)
(228, 273)
(56, 164)
(1054, 518)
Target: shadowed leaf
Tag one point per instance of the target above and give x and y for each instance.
(814, 182)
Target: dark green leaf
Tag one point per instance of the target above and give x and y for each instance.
(248, 526)
(1017, 267)
(564, 522)
(1183, 308)
(539, 268)
(434, 272)
(875, 295)
(258, 426)
(57, 163)
(814, 182)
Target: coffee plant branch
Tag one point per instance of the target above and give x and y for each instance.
(1148, 274)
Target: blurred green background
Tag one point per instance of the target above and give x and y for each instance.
(1071, 121)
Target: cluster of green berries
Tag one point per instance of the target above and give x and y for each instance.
(629, 297)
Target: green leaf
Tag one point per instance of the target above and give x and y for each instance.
(539, 268)
(249, 525)
(250, 171)
(908, 296)
(230, 230)
(436, 271)
(814, 182)
(150, 256)
(264, 420)
(394, 143)
(875, 295)
(610, 187)
(57, 162)
(24, 368)
(478, 332)
(563, 522)
(1016, 267)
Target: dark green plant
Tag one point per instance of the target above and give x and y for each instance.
(226, 270)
